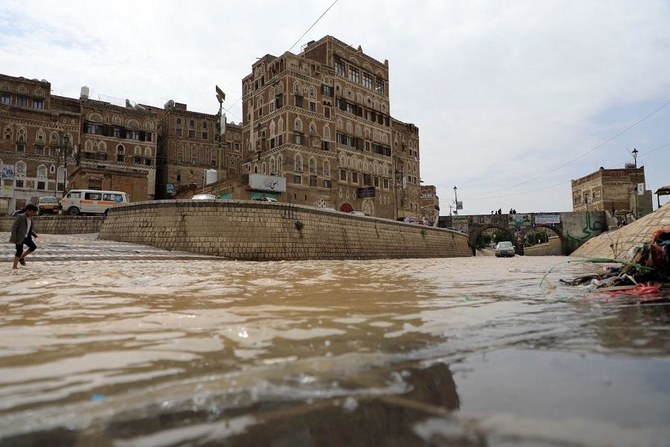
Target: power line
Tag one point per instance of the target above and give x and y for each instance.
(502, 196)
(292, 46)
(313, 24)
(595, 148)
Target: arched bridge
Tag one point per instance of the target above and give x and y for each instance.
(572, 228)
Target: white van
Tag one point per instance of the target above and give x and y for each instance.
(90, 201)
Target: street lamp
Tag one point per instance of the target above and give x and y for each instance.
(220, 130)
(455, 201)
(635, 156)
(62, 151)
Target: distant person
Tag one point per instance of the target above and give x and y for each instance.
(22, 234)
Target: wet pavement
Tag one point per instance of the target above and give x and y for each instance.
(87, 247)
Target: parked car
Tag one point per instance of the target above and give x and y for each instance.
(505, 248)
(91, 201)
(204, 197)
(48, 205)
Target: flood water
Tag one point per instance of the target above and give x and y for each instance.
(441, 352)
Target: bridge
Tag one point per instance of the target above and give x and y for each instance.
(572, 228)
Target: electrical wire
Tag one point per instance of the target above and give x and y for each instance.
(532, 179)
(611, 166)
(292, 46)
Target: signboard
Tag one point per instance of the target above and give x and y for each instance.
(7, 191)
(272, 183)
(7, 171)
(640, 189)
(547, 219)
(519, 220)
(459, 205)
(368, 191)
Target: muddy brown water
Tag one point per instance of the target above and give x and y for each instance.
(475, 352)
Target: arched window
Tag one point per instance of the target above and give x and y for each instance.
(53, 139)
(20, 169)
(312, 166)
(273, 128)
(273, 166)
(297, 88)
(42, 173)
(191, 123)
(326, 133)
(264, 168)
(21, 135)
(298, 163)
(326, 169)
(8, 134)
(280, 126)
(297, 125)
(280, 164)
(147, 152)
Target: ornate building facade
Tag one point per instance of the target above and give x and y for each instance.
(321, 120)
(613, 189)
(39, 134)
(189, 147)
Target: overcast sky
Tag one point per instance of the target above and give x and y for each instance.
(513, 99)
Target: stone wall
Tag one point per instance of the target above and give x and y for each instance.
(617, 243)
(248, 230)
(59, 224)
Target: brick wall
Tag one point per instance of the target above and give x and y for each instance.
(275, 231)
(59, 224)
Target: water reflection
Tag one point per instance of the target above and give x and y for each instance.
(416, 352)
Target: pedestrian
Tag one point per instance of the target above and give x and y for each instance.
(22, 234)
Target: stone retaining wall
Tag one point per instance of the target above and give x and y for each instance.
(275, 231)
(59, 224)
(618, 243)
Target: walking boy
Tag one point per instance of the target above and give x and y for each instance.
(22, 234)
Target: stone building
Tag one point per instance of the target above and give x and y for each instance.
(188, 148)
(407, 188)
(39, 133)
(613, 189)
(429, 203)
(117, 148)
(321, 120)
(51, 144)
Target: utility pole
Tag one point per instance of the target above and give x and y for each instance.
(220, 131)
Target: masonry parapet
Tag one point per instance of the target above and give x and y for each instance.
(249, 230)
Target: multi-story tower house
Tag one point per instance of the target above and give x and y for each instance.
(429, 203)
(117, 150)
(622, 190)
(39, 131)
(189, 147)
(406, 169)
(321, 120)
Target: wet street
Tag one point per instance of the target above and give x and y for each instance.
(114, 344)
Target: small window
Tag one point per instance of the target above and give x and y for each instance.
(297, 179)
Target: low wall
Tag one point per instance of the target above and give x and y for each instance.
(618, 243)
(59, 224)
(275, 231)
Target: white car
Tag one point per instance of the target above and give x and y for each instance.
(505, 248)
(204, 197)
